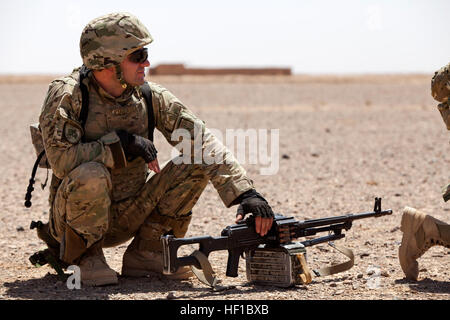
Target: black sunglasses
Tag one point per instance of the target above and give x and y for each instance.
(139, 56)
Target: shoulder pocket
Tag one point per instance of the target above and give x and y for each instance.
(67, 131)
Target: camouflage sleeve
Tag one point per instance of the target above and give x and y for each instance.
(62, 134)
(228, 177)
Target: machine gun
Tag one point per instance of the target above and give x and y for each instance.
(271, 259)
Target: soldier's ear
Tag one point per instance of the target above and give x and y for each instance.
(111, 71)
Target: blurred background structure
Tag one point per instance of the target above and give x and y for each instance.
(180, 69)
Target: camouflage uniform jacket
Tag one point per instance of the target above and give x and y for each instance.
(62, 135)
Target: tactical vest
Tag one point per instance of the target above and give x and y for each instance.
(41, 160)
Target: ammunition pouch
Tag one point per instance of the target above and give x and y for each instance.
(286, 265)
(282, 266)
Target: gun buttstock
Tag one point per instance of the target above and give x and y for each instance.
(165, 242)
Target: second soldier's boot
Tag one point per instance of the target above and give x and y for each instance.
(140, 261)
(94, 269)
(420, 232)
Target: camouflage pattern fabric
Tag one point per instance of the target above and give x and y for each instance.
(440, 84)
(96, 198)
(62, 106)
(161, 206)
(82, 202)
(107, 40)
(445, 113)
(440, 90)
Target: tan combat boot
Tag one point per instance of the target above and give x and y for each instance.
(94, 269)
(420, 232)
(139, 261)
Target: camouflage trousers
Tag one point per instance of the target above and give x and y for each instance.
(83, 203)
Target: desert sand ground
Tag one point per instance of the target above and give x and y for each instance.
(343, 140)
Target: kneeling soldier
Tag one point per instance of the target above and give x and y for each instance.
(107, 186)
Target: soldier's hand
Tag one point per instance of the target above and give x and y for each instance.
(262, 225)
(154, 166)
(262, 211)
(137, 146)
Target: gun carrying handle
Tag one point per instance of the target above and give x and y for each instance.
(233, 262)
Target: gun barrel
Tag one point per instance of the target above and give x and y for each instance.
(313, 242)
(342, 219)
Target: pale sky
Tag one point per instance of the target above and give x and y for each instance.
(315, 37)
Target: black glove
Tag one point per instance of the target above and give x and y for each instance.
(137, 146)
(252, 202)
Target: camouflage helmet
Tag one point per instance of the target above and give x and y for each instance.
(107, 40)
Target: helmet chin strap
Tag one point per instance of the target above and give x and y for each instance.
(119, 76)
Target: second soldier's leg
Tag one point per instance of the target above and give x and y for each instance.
(420, 232)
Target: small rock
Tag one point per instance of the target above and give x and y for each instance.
(395, 229)
(359, 276)
(365, 254)
(285, 156)
(384, 273)
(315, 155)
(333, 285)
(20, 228)
(171, 296)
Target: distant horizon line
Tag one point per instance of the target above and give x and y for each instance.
(361, 73)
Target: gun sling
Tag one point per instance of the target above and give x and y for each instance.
(341, 267)
(206, 274)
